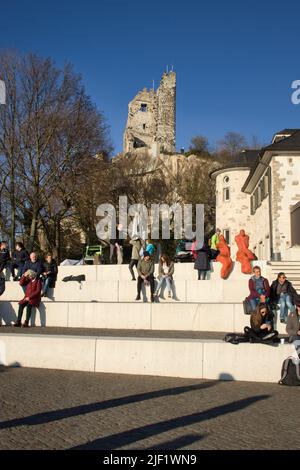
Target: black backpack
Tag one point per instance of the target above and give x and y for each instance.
(290, 373)
(80, 278)
(2, 285)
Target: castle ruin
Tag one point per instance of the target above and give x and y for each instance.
(151, 123)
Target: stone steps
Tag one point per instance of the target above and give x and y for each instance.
(173, 357)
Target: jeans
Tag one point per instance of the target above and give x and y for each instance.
(140, 281)
(201, 275)
(46, 282)
(161, 282)
(119, 254)
(133, 262)
(285, 303)
(254, 303)
(28, 311)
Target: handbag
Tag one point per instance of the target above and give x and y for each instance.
(247, 307)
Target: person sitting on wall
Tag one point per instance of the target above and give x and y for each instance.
(261, 322)
(214, 244)
(145, 270)
(49, 274)
(165, 274)
(202, 263)
(283, 293)
(4, 258)
(32, 296)
(259, 289)
(19, 258)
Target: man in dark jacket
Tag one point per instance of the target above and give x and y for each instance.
(283, 293)
(202, 263)
(34, 264)
(19, 257)
(4, 256)
(145, 270)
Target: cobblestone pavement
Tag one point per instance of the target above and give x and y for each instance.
(48, 409)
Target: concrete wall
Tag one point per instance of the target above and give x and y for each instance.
(146, 356)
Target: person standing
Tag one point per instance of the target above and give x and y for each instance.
(283, 293)
(32, 298)
(49, 274)
(214, 244)
(259, 289)
(135, 255)
(19, 257)
(202, 263)
(145, 270)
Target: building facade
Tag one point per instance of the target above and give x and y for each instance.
(261, 194)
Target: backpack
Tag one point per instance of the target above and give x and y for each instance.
(2, 285)
(247, 307)
(236, 338)
(290, 372)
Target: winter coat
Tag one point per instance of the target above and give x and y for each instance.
(136, 248)
(202, 262)
(53, 270)
(20, 257)
(37, 267)
(4, 258)
(293, 326)
(274, 297)
(253, 292)
(145, 268)
(150, 249)
(33, 291)
(161, 270)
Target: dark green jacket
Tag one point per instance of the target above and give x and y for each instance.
(145, 268)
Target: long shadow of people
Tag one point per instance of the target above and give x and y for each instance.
(42, 313)
(56, 415)
(7, 313)
(144, 432)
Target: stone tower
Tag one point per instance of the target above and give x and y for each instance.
(151, 122)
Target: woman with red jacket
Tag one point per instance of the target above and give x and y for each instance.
(32, 296)
(259, 289)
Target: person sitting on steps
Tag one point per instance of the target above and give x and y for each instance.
(32, 296)
(261, 322)
(259, 289)
(283, 293)
(145, 270)
(165, 274)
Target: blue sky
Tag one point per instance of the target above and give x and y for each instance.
(235, 61)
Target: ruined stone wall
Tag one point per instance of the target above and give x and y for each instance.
(151, 119)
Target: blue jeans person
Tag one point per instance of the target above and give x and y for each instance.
(168, 281)
(285, 304)
(254, 303)
(45, 288)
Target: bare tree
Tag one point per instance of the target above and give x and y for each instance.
(232, 144)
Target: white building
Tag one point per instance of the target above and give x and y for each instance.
(260, 193)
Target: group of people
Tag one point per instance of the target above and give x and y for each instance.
(264, 300)
(35, 276)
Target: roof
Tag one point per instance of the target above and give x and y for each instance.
(247, 159)
(286, 145)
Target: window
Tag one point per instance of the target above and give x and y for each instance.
(226, 234)
(144, 126)
(226, 179)
(143, 107)
(226, 194)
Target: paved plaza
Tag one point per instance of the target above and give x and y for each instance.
(50, 409)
